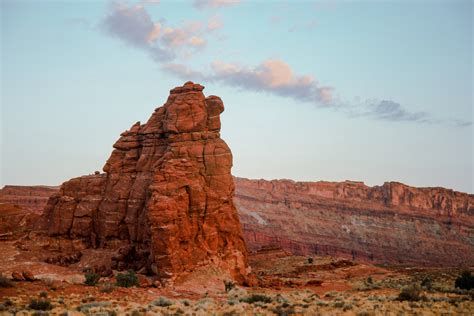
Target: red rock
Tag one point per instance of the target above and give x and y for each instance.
(17, 276)
(165, 201)
(28, 275)
(144, 281)
(32, 198)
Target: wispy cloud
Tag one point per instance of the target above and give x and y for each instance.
(392, 111)
(133, 25)
(204, 4)
(214, 23)
(272, 76)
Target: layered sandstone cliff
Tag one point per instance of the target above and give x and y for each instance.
(32, 198)
(392, 223)
(165, 201)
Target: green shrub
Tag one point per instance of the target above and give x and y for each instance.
(162, 302)
(256, 298)
(40, 305)
(465, 281)
(5, 282)
(91, 278)
(127, 279)
(427, 283)
(310, 260)
(410, 293)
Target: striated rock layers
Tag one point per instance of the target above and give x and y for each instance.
(31, 198)
(165, 201)
(393, 223)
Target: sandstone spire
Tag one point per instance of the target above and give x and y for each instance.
(164, 202)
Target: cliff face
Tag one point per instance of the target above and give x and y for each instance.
(165, 201)
(32, 198)
(392, 223)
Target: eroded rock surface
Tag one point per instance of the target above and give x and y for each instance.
(393, 223)
(165, 201)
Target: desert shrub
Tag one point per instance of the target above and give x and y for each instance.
(427, 283)
(127, 279)
(40, 305)
(228, 285)
(465, 281)
(256, 298)
(86, 307)
(43, 294)
(91, 278)
(8, 302)
(5, 282)
(310, 260)
(370, 280)
(283, 311)
(162, 302)
(410, 293)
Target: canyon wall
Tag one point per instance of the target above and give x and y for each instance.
(32, 198)
(393, 223)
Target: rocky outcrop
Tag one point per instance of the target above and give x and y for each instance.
(393, 223)
(165, 201)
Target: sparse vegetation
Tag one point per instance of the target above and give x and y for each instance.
(465, 281)
(228, 285)
(91, 278)
(127, 279)
(86, 307)
(410, 293)
(162, 302)
(310, 260)
(256, 298)
(427, 283)
(40, 304)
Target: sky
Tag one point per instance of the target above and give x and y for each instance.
(369, 91)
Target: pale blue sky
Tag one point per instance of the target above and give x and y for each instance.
(389, 99)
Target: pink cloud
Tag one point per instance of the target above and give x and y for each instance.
(214, 23)
(202, 4)
(271, 76)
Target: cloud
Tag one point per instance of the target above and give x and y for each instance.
(203, 4)
(392, 111)
(197, 41)
(271, 76)
(134, 26)
(214, 23)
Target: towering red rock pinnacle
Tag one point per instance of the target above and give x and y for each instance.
(164, 202)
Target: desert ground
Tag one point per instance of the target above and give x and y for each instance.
(286, 285)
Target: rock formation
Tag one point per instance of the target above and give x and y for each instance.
(393, 223)
(165, 201)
